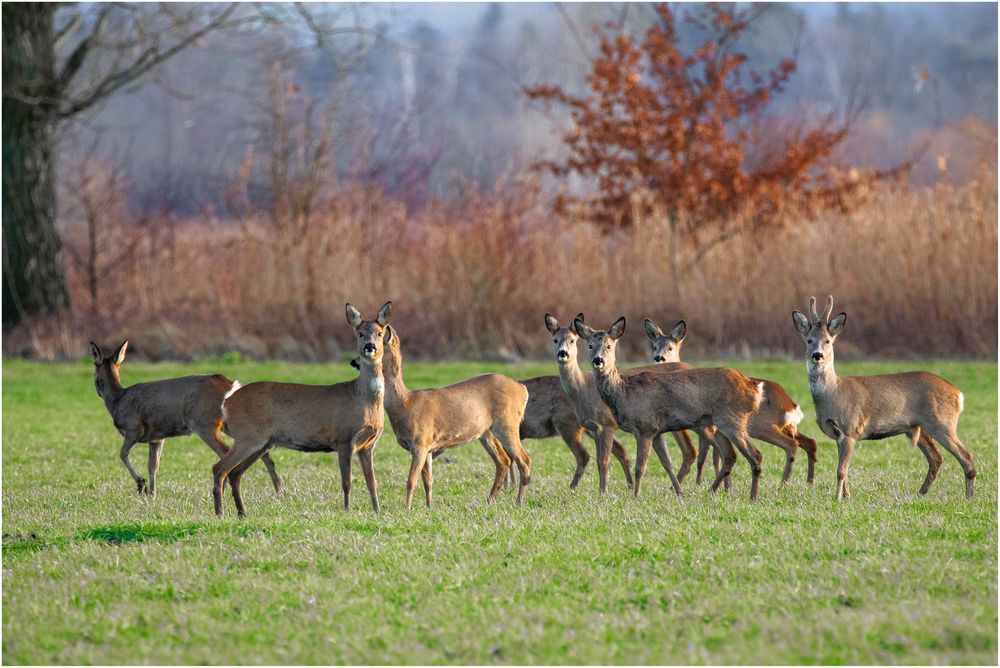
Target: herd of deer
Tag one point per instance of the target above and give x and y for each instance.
(722, 406)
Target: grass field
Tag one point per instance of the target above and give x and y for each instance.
(94, 573)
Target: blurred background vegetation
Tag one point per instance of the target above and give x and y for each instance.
(204, 179)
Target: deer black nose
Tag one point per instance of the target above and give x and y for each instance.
(659, 359)
(369, 348)
(562, 355)
(817, 356)
(598, 362)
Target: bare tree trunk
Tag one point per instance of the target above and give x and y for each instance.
(33, 278)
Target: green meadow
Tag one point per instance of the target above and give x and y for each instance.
(95, 573)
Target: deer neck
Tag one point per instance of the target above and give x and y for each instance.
(396, 393)
(572, 379)
(610, 385)
(823, 380)
(113, 390)
(371, 381)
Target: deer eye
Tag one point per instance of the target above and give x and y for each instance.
(828, 342)
(809, 341)
(555, 340)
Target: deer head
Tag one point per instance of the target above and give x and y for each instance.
(819, 333)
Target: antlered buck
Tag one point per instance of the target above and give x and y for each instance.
(488, 407)
(858, 408)
(344, 418)
(776, 421)
(152, 412)
(650, 402)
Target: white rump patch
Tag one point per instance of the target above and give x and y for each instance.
(961, 402)
(760, 393)
(794, 417)
(377, 385)
(232, 390)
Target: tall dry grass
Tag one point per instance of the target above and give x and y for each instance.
(915, 268)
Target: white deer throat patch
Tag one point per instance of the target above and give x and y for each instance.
(376, 385)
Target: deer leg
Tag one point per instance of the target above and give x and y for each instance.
(127, 445)
(948, 439)
(775, 436)
(511, 442)
(500, 460)
(661, 452)
(236, 479)
(418, 457)
(604, 446)
(428, 477)
(213, 439)
(688, 453)
(703, 446)
(573, 436)
(155, 450)
(368, 470)
(845, 448)
(223, 467)
(934, 459)
(618, 450)
(725, 453)
(739, 438)
(809, 445)
(643, 444)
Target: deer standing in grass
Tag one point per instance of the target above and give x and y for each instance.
(488, 407)
(344, 418)
(590, 408)
(648, 403)
(549, 412)
(152, 412)
(922, 405)
(776, 421)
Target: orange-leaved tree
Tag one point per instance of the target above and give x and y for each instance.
(661, 132)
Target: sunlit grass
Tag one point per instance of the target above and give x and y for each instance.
(94, 573)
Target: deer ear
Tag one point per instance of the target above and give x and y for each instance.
(581, 329)
(119, 355)
(837, 324)
(384, 314)
(801, 323)
(390, 334)
(652, 331)
(353, 316)
(355, 364)
(551, 324)
(96, 356)
(579, 316)
(617, 329)
(679, 331)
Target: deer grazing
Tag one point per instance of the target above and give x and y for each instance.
(648, 403)
(344, 418)
(152, 412)
(858, 408)
(776, 421)
(591, 410)
(488, 407)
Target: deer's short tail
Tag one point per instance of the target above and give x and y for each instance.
(229, 393)
(794, 416)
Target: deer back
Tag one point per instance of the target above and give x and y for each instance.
(172, 407)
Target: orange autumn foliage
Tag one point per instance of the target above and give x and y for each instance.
(661, 131)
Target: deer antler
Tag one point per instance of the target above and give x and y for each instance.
(813, 316)
(829, 310)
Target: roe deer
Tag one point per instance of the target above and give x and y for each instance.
(549, 413)
(152, 412)
(344, 418)
(590, 408)
(776, 421)
(922, 405)
(488, 407)
(648, 403)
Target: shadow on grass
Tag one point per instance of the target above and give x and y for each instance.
(16, 543)
(119, 534)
